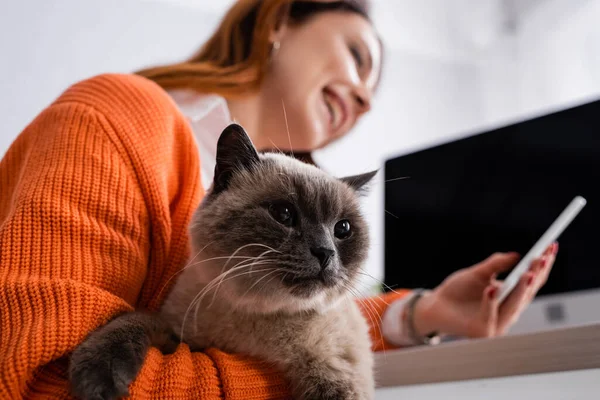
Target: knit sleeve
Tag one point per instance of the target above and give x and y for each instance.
(71, 243)
(374, 310)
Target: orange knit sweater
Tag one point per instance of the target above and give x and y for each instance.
(95, 198)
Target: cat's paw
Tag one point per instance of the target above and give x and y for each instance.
(102, 370)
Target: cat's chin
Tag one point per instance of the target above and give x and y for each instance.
(286, 301)
(308, 285)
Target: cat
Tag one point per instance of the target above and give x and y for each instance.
(278, 246)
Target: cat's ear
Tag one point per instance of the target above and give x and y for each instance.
(235, 152)
(359, 182)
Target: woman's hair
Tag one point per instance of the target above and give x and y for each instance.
(235, 59)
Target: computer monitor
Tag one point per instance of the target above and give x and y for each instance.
(499, 191)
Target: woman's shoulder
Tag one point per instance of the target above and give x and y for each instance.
(121, 95)
(136, 110)
(142, 122)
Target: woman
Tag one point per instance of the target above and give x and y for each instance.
(98, 190)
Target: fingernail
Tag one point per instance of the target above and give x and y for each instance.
(530, 280)
(544, 262)
(492, 293)
(555, 248)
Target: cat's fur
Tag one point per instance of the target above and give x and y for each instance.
(260, 286)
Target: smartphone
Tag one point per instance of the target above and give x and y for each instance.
(549, 237)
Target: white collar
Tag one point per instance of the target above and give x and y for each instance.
(207, 115)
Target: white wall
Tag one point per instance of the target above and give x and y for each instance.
(551, 61)
(47, 45)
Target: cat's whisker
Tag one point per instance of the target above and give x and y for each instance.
(274, 145)
(369, 307)
(250, 245)
(256, 283)
(397, 179)
(205, 290)
(200, 297)
(217, 282)
(287, 127)
(260, 262)
(216, 288)
(372, 306)
(263, 286)
(189, 264)
(283, 277)
(247, 260)
(197, 263)
(262, 255)
(371, 314)
(219, 258)
(198, 300)
(365, 273)
(388, 212)
(267, 282)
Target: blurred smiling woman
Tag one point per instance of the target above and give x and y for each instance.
(98, 191)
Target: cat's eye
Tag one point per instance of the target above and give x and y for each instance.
(283, 212)
(342, 229)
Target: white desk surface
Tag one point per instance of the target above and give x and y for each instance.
(557, 364)
(567, 385)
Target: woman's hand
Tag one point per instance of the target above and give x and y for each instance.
(466, 303)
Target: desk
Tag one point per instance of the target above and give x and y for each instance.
(564, 358)
(568, 385)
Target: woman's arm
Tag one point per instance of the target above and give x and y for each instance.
(73, 243)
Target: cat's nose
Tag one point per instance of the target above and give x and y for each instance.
(323, 255)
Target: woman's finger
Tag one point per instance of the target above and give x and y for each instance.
(541, 278)
(489, 312)
(551, 250)
(496, 263)
(547, 261)
(516, 301)
(547, 268)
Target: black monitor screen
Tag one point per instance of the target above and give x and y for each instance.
(496, 191)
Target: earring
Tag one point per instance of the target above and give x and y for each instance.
(274, 49)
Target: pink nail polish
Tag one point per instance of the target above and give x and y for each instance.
(530, 280)
(555, 248)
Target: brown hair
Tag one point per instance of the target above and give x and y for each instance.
(235, 59)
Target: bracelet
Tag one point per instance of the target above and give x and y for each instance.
(432, 338)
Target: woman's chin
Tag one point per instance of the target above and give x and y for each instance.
(321, 136)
